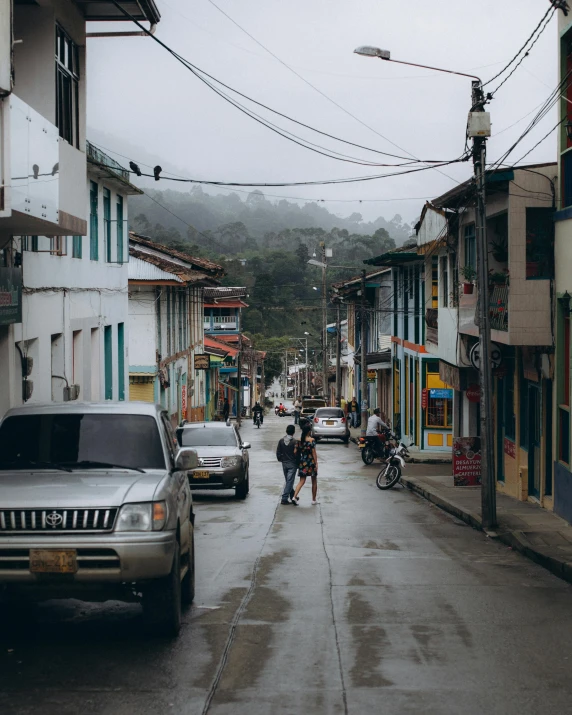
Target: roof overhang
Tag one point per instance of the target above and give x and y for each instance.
(394, 259)
(104, 10)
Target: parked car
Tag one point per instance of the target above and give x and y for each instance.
(95, 503)
(223, 456)
(330, 423)
(309, 407)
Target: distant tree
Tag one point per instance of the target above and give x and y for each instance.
(303, 255)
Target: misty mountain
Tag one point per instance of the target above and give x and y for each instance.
(258, 214)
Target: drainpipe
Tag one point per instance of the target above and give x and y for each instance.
(145, 33)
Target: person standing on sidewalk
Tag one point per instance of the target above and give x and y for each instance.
(307, 463)
(353, 412)
(297, 411)
(286, 454)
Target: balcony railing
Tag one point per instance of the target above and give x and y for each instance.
(97, 156)
(221, 322)
(498, 306)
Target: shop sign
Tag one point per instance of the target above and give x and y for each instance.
(467, 461)
(510, 448)
(440, 394)
(10, 296)
(371, 376)
(202, 362)
(473, 393)
(475, 356)
(424, 398)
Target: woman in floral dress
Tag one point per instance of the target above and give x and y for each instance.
(308, 463)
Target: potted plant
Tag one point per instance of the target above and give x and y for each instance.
(469, 274)
(499, 249)
(498, 278)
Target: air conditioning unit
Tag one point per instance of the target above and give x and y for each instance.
(71, 392)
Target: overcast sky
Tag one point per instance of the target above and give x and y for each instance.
(151, 108)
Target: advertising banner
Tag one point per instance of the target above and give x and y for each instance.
(467, 461)
(10, 296)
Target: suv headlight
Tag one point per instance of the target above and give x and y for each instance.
(227, 462)
(149, 516)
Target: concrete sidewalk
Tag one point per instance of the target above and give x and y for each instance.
(526, 527)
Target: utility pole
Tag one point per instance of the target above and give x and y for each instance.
(363, 347)
(479, 133)
(324, 325)
(338, 356)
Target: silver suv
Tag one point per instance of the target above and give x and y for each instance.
(95, 504)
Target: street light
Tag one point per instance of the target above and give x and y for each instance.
(478, 128)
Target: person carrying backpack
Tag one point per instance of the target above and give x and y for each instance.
(286, 454)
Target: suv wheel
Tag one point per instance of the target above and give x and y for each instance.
(162, 600)
(188, 583)
(242, 490)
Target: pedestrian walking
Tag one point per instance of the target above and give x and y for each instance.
(286, 455)
(307, 463)
(226, 409)
(354, 412)
(297, 411)
(343, 404)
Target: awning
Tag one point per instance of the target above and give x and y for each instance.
(379, 366)
(211, 343)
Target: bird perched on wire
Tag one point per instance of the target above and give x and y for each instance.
(134, 168)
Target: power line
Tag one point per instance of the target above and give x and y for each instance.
(504, 69)
(492, 94)
(198, 73)
(297, 74)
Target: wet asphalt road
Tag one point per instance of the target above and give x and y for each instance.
(371, 602)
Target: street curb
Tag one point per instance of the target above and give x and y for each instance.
(515, 539)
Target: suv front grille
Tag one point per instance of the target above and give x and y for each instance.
(209, 462)
(56, 520)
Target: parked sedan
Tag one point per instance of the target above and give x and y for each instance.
(330, 422)
(223, 456)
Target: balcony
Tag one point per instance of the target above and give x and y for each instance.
(46, 192)
(221, 322)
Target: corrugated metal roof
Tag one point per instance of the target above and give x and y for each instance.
(139, 270)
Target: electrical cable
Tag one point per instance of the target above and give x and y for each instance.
(492, 94)
(504, 69)
(197, 72)
(297, 74)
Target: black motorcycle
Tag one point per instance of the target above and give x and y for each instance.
(375, 447)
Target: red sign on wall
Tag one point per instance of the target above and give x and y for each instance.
(510, 448)
(424, 398)
(467, 461)
(473, 393)
(184, 401)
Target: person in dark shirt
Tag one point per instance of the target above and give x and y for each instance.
(286, 454)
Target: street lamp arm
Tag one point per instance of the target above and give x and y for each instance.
(429, 67)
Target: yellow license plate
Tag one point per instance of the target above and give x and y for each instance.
(330, 423)
(53, 561)
(201, 475)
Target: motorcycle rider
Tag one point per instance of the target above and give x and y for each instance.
(257, 410)
(375, 428)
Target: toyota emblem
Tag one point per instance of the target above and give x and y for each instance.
(54, 519)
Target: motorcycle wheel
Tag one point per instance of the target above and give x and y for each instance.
(388, 477)
(367, 455)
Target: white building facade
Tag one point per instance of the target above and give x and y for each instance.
(71, 341)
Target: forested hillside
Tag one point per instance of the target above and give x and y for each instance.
(266, 247)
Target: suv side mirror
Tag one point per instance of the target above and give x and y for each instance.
(246, 445)
(186, 459)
